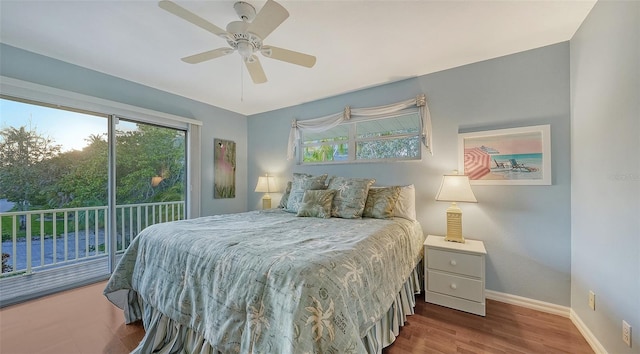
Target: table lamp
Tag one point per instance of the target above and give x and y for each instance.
(266, 184)
(455, 188)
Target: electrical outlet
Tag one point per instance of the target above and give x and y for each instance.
(626, 332)
(592, 300)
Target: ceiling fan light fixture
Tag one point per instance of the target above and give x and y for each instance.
(245, 36)
(245, 49)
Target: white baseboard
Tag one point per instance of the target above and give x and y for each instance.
(586, 333)
(552, 309)
(529, 303)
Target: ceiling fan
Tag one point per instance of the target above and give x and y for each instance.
(245, 36)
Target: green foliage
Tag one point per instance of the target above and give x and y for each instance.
(399, 148)
(84, 180)
(36, 175)
(25, 168)
(46, 224)
(325, 152)
(146, 152)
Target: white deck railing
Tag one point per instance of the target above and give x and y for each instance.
(47, 238)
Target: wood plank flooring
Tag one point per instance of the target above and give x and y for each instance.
(75, 321)
(505, 329)
(83, 321)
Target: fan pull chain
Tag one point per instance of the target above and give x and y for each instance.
(241, 80)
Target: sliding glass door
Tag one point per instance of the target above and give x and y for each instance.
(150, 178)
(65, 215)
(53, 183)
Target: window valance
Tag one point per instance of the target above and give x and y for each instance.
(327, 122)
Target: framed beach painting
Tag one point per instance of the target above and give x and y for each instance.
(516, 156)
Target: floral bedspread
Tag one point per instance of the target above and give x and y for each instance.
(268, 281)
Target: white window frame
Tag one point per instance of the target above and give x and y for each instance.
(352, 140)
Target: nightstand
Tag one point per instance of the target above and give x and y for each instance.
(454, 274)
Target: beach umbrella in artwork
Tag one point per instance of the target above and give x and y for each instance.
(477, 163)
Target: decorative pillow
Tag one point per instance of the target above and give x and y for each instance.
(285, 196)
(406, 205)
(381, 202)
(350, 197)
(316, 203)
(301, 183)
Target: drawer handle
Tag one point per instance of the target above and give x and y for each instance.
(453, 262)
(453, 286)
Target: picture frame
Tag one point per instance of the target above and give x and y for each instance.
(224, 169)
(514, 156)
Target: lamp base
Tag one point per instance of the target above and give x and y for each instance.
(266, 202)
(454, 224)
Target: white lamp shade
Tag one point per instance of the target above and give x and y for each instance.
(456, 188)
(266, 184)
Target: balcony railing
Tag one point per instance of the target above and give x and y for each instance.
(42, 239)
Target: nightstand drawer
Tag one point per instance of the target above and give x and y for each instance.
(454, 262)
(452, 285)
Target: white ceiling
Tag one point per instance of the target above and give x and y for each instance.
(357, 43)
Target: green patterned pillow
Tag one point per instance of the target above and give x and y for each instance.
(351, 195)
(406, 205)
(317, 203)
(285, 196)
(300, 184)
(380, 202)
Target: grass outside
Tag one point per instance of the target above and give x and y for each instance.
(7, 225)
(45, 225)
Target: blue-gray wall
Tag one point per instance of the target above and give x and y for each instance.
(526, 229)
(605, 164)
(217, 123)
(551, 243)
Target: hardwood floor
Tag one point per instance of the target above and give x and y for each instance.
(505, 329)
(83, 321)
(75, 321)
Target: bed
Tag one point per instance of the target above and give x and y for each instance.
(270, 282)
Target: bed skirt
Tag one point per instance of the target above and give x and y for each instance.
(384, 332)
(166, 336)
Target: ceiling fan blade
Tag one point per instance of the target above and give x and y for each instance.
(208, 55)
(289, 56)
(269, 18)
(255, 70)
(193, 18)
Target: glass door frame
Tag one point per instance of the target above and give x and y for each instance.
(55, 97)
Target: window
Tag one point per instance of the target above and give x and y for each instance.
(329, 145)
(389, 137)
